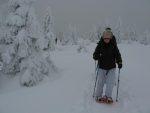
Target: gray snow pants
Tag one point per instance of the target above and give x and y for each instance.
(107, 77)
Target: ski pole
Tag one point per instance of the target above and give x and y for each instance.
(95, 67)
(96, 73)
(118, 85)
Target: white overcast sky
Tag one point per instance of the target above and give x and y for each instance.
(86, 13)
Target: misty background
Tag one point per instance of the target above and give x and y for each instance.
(85, 14)
(37, 51)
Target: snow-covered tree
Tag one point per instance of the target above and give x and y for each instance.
(133, 33)
(15, 22)
(60, 37)
(96, 34)
(72, 36)
(145, 38)
(118, 31)
(82, 46)
(23, 45)
(1, 32)
(99, 31)
(130, 34)
(92, 36)
(48, 25)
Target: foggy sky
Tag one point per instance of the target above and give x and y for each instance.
(2, 1)
(87, 13)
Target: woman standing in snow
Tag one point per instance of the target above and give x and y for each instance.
(107, 55)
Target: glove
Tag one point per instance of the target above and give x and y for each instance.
(119, 65)
(96, 57)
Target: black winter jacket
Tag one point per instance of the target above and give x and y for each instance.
(107, 55)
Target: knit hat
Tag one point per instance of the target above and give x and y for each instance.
(107, 32)
(107, 29)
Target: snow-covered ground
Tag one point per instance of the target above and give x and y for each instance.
(71, 91)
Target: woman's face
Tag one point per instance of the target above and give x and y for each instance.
(107, 37)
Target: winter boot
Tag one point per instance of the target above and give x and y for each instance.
(109, 100)
(101, 99)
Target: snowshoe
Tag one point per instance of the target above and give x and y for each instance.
(101, 99)
(104, 99)
(109, 100)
